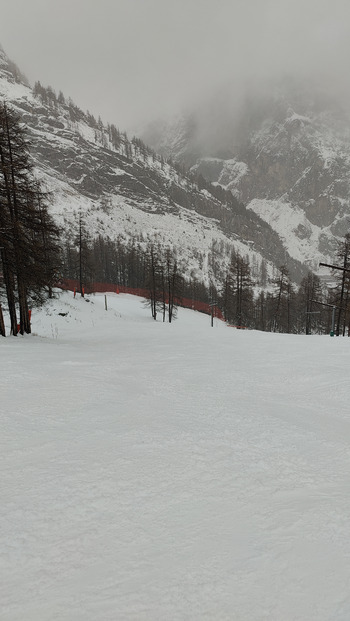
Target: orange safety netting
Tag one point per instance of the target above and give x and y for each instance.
(106, 287)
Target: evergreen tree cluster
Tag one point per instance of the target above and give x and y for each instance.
(279, 307)
(28, 236)
(130, 264)
(339, 296)
(244, 293)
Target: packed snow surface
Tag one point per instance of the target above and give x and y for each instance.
(157, 472)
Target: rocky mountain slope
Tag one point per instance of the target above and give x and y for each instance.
(124, 189)
(283, 150)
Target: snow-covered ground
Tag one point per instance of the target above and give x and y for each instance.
(172, 472)
(298, 234)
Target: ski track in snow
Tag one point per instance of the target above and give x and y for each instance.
(154, 471)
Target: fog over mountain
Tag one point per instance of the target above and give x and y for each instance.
(134, 61)
(259, 92)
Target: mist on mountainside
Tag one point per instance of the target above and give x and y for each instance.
(132, 62)
(221, 125)
(282, 147)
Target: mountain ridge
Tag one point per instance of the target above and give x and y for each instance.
(285, 151)
(125, 189)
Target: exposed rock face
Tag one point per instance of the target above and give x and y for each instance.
(301, 159)
(290, 145)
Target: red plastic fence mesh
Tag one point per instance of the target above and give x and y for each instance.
(106, 287)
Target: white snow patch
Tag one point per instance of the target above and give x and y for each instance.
(232, 172)
(299, 236)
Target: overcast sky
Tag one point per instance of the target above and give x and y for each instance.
(133, 60)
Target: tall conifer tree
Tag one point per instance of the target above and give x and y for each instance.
(28, 236)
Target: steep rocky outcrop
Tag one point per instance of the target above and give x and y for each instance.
(285, 152)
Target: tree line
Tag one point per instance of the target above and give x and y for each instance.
(269, 303)
(32, 262)
(148, 266)
(339, 297)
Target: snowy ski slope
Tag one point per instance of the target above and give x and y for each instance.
(156, 472)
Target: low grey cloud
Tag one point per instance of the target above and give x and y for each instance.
(133, 60)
